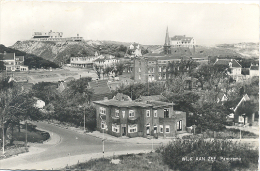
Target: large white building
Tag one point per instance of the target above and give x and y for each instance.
(182, 41)
(104, 61)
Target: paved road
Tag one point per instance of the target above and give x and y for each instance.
(69, 142)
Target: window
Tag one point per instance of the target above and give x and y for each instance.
(131, 113)
(166, 113)
(179, 125)
(160, 69)
(139, 77)
(155, 129)
(152, 70)
(147, 113)
(167, 128)
(231, 115)
(103, 125)
(115, 128)
(161, 128)
(155, 113)
(102, 110)
(117, 113)
(123, 114)
(139, 69)
(132, 128)
(241, 119)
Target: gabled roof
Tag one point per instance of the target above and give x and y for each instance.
(254, 67)
(227, 61)
(243, 99)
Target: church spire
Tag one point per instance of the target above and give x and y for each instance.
(167, 38)
(167, 44)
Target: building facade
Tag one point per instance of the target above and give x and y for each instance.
(84, 62)
(139, 119)
(254, 71)
(13, 63)
(104, 61)
(149, 69)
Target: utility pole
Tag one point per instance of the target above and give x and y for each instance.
(84, 118)
(3, 137)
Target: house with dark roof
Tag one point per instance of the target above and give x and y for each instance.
(236, 117)
(235, 67)
(100, 90)
(12, 62)
(139, 119)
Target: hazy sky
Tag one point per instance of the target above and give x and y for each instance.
(145, 22)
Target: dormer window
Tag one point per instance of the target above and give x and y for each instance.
(230, 64)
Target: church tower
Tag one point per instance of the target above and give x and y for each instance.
(167, 44)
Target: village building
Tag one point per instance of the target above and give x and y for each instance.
(83, 62)
(254, 71)
(150, 69)
(104, 61)
(237, 118)
(233, 65)
(120, 117)
(134, 50)
(13, 62)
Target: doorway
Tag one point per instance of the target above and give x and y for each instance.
(123, 131)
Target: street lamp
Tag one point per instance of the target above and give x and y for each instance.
(243, 125)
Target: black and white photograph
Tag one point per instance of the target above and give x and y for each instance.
(129, 86)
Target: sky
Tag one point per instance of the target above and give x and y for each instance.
(142, 22)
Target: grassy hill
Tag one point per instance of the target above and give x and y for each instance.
(61, 51)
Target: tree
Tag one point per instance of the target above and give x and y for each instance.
(210, 74)
(119, 68)
(16, 105)
(211, 116)
(45, 91)
(97, 71)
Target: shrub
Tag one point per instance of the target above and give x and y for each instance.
(182, 155)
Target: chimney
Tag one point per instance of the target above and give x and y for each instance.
(105, 98)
